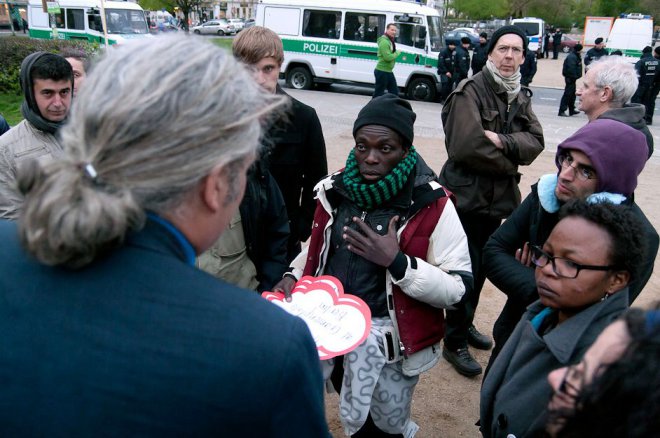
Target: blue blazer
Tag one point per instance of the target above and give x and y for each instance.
(141, 343)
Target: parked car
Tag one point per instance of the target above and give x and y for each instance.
(238, 23)
(249, 23)
(466, 29)
(220, 27)
(455, 37)
(567, 44)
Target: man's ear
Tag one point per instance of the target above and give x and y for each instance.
(606, 94)
(214, 188)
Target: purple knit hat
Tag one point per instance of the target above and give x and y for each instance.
(617, 152)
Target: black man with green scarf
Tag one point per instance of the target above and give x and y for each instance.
(390, 233)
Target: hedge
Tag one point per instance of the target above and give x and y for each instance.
(14, 49)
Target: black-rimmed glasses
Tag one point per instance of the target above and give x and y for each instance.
(581, 171)
(563, 267)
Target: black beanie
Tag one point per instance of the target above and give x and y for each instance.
(598, 40)
(390, 111)
(505, 30)
(647, 49)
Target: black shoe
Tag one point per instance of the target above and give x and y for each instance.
(572, 113)
(562, 114)
(478, 340)
(462, 361)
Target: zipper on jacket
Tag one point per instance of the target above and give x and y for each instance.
(364, 215)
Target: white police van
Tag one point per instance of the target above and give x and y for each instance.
(335, 41)
(81, 20)
(534, 28)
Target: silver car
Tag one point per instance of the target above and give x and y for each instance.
(238, 24)
(220, 27)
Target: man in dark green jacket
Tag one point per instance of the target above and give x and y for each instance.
(387, 54)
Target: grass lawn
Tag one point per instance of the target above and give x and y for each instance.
(225, 43)
(10, 108)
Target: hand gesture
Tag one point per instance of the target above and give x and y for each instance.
(381, 250)
(524, 255)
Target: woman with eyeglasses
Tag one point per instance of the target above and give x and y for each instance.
(600, 161)
(582, 273)
(614, 390)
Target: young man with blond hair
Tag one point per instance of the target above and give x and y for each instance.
(295, 153)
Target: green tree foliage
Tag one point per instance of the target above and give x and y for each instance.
(479, 9)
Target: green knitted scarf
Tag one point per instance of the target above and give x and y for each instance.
(368, 196)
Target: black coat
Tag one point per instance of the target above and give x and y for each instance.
(462, 65)
(594, 54)
(297, 160)
(572, 68)
(532, 223)
(479, 57)
(528, 68)
(140, 342)
(265, 226)
(446, 62)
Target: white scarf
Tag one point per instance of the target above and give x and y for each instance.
(509, 84)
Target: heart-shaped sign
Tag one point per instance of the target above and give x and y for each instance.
(338, 322)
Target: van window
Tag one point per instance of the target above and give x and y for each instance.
(321, 24)
(75, 19)
(363, 27)
(528, 28)
(411, 35)
(435, 33)
(59, 19)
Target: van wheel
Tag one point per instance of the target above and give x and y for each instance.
(196, 32)
(221, 33)
(421, 89)
(299, 78)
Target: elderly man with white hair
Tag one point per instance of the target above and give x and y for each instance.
(606, 91)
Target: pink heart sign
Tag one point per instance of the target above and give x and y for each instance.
(338, 322)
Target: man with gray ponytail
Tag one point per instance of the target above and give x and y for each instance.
(107, 326)
(47, 84)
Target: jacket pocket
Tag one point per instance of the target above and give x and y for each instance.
(489, 119)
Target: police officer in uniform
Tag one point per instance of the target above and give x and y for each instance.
(648, 69)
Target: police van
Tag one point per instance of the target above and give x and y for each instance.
(335, 41)
(81, 20)
(534, 28)
(630, 34)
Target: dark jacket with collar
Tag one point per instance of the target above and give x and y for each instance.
(594, 54)
(479, 57)
(297, 160)
(516, 392)
(631, 114)
(462, 67)
(532, 223)
(483, 177)
(142, 343)
(447, 61)
(572, 68)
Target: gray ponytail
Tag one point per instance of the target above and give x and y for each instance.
(155, 117)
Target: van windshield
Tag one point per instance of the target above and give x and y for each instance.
(435, 33)
(125, 21)
(529, 28)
